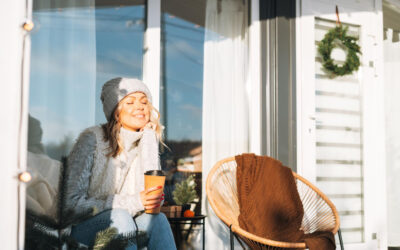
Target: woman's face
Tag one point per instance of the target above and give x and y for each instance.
(134, 111)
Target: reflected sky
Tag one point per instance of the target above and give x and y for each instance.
(75, 50)
(183, 80)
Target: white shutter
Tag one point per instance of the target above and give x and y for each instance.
(339, 139)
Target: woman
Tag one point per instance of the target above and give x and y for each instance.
(106, 166)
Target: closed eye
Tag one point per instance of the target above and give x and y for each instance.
(144, 100)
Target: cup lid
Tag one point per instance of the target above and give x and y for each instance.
(155, 173)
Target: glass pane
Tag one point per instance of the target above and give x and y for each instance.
(203, 95)
(183, 35)
(76, 46)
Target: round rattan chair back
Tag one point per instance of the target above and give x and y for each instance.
(319, 212)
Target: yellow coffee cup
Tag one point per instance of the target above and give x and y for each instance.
(154, 178)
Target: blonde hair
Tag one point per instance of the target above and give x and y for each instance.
(112, 128)
(157, 121)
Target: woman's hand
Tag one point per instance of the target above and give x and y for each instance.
(151, 201)
(150, 125)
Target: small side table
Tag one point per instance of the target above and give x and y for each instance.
(177, 222)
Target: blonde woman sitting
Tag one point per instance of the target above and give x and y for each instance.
(105, 169)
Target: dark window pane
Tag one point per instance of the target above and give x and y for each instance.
(181, 91)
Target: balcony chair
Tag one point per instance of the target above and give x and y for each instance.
(319, 212)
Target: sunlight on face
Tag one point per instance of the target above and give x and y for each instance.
(134, 111)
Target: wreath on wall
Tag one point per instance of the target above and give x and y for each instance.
(337, 37)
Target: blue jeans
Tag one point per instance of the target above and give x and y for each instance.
(157, 229)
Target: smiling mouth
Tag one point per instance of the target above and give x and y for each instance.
(138, 116)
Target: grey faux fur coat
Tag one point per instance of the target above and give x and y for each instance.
(96, 181)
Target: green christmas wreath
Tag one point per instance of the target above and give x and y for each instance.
(326, 45)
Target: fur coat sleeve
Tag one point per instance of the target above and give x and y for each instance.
(78, 172)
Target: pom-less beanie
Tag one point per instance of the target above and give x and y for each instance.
(116, 89)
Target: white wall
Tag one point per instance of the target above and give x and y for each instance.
(392, 119)
(11, 18)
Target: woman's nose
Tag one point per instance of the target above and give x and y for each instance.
(139, 106)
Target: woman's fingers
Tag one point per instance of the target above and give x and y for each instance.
(156, 202)
(152, 202)
(154, 197)
(153, 189)
(151, 125)
(151, 207)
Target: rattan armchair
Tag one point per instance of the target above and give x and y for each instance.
(319, 212)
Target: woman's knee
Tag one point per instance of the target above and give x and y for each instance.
(122, 221)
(160, 220)
(148, 222)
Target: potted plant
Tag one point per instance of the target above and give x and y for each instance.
(185, 193)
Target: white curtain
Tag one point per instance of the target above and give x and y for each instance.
(391, 48)
(225, 104)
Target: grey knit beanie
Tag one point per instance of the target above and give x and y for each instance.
(116, 89)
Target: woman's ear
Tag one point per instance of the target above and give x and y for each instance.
(117, 112)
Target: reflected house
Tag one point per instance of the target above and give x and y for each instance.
(41, 191)
(193, 162)
(228, 77)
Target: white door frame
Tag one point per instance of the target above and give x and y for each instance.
(152, 50)
(255, 92)
(374, 185)
(15, 59)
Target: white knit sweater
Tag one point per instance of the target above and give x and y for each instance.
(100, 182)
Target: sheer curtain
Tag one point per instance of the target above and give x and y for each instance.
(225, 104)
(391, 49)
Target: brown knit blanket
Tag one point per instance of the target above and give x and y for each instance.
(270, 206)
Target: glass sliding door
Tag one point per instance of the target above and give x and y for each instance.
(182, 34)
(204, 98)
(76, 47)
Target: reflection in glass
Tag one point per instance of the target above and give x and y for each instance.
(181, 92)
(75, 47)
(204, 93)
